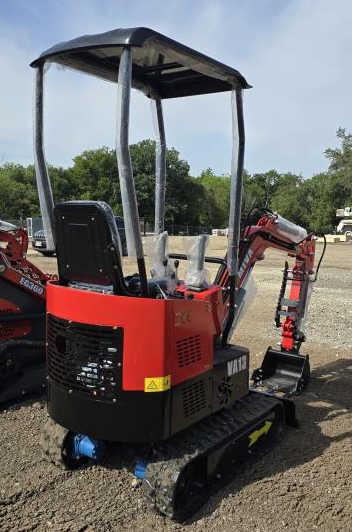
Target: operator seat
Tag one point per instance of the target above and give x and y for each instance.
(88, 247)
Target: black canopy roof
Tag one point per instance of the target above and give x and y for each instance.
(162, 67)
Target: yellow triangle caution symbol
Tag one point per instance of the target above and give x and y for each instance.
(157, 384)
(152, 385)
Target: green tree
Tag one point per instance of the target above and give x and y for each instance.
(18, 196)
(260, 187)
(288, 198)
(341, 158)
(320, 210)
(15, 202)
(331, 190)
(217, 200)
(95, 176)
(19, 189)
(189, 201)
(340, 170)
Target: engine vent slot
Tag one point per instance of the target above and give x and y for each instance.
(194, 398)
(188, 351)
(85, 358)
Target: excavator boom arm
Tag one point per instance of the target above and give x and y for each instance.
(272, 231)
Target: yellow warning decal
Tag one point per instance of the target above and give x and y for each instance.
(254, 436)
(157, 384)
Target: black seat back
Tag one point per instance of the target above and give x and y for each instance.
(88, 245)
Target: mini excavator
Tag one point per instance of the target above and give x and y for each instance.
(145, 360)
(22, 317)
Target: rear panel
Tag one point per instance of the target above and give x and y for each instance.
(134, 369)
(161, 338)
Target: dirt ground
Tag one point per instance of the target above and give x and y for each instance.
(303, 484)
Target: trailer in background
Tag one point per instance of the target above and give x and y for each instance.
(345, 224)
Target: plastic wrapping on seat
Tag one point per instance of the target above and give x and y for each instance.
(197, 276)
(161, 269)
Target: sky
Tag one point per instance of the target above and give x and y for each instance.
(296, 54)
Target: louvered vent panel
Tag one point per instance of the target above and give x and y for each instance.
(84, 358)
(188, 351)
(194, 398)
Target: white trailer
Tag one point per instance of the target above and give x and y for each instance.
(345, 225)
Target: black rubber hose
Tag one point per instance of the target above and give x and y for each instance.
(320, 260)
(231, 314)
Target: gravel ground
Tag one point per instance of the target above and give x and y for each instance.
(301, 485)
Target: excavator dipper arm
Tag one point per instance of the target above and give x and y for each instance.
(282, 370)
(291, 311)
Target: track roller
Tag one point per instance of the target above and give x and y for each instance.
(22, 370)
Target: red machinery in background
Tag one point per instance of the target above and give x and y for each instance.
(22, 317)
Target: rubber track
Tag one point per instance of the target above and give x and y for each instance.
(19, 377)
(172, 456)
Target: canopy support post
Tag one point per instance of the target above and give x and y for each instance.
(46, 200)
(127, 187)
(235, 204)
(160, 165)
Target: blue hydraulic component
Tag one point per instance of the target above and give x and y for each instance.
(140, 469)
(85, 446)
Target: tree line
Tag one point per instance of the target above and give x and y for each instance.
(202, 200)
